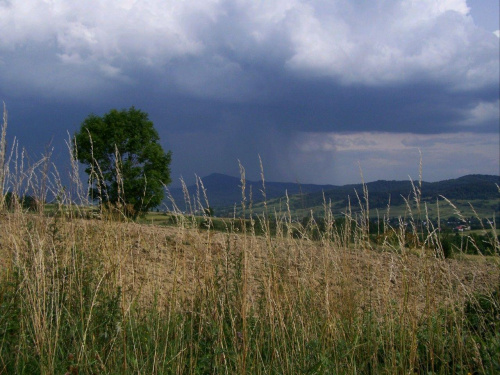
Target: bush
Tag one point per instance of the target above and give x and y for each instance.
(447, 246)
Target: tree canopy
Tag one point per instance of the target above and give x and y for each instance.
(125, 163)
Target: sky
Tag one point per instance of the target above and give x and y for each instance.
(325, 91)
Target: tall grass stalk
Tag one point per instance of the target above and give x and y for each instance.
(3, 147)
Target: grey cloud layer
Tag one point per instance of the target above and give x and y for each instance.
(195, 44)
(247, 76)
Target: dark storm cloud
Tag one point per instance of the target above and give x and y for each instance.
(323, 106)
(225, 80)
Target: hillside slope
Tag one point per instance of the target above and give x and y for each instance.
(225, 191)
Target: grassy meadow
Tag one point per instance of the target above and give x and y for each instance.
(87, 291)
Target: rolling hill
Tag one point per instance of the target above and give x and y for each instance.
(224, 192)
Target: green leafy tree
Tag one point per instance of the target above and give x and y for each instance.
(126, 165)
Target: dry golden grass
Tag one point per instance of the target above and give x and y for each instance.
(148, 261)
(284, 280)
(301, 290)
(159, 259)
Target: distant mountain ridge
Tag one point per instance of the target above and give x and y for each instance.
(470, 187)
(224, 191)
